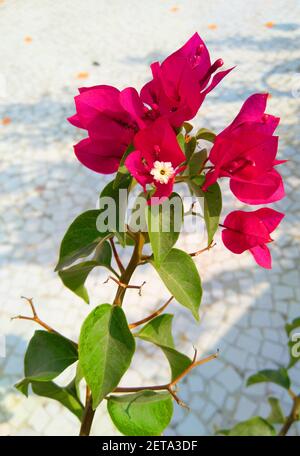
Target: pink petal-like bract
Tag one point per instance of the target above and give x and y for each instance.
(251, 231)
(182, 81)
(156, 143)
(245, 152)
(111, 118)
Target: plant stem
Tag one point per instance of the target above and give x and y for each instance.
(37, 320)
(133, 263)
(89, 413)
(167, 386)
(292, 418)
(210, 246)
(116, 255)
(88, 416)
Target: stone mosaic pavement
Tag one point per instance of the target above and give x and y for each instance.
(47, 50)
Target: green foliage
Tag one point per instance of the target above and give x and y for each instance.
(80, 240)
(206, 134)
(113, 191)
(197, 161)
(106, 347)
(180, 276)
(188, 127)
(164, 226)
(75, 276)
(253, 427)
(279, 376)
(67, 396)
(276, 415)
(47, 356)
(144, 413)
(212, 205)
(181, 141)
(159, 332)
(122, 172)
(189, 147)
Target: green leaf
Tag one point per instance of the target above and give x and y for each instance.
(212, 205)
(137, 220)
(223, 431)
(188, 127)
(289, 327)
(206, 134)
(276, 415)
(22, 386)
(164, 224)
(145, 413)
(78, 378)
(74, 277)
(119, 195)
(80, 239)
(48, 355)
(212, 210)
(106, 347)
(122, 170)
(197, 161)
(280, 377)
(253, 427)
(189, 147)
(181, 141)
(159, 332)
(64, 395)
(180, 276)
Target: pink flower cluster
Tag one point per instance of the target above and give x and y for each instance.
(245, 152)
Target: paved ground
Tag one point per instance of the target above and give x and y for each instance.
(47, 50)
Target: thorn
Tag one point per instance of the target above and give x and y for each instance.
(140, 290)
(177, 399)
(195, 354)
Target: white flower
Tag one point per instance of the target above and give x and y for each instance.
(162, 171)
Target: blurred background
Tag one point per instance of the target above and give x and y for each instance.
(47, 50)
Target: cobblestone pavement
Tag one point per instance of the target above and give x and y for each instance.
(47, 50)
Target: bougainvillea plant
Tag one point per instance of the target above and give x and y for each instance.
(146, 141)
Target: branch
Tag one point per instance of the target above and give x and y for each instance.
(124, 285)
(154, 314)
(88, 415)
(116, 255)
(37, 320)
(133, 263)
(170, 387)
(210, 246)
(293, 416)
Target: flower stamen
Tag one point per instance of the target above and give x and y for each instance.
(162, 171)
